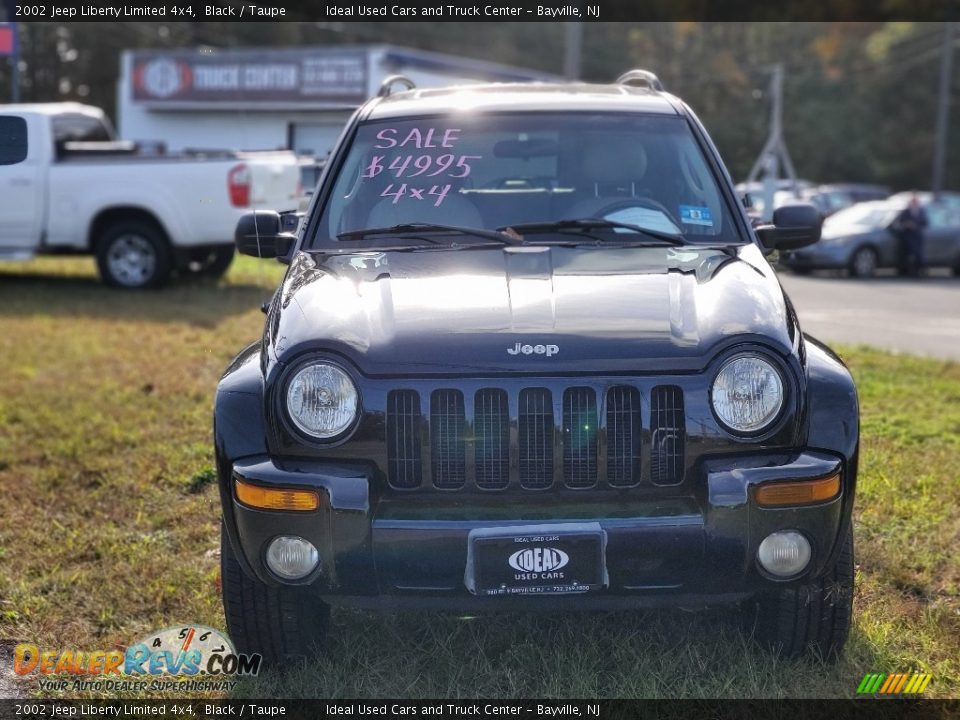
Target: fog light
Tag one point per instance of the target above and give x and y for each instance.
(784, 553)
(291, 557)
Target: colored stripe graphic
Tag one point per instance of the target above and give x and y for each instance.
(865, 684)
(895, 684)
(903, 681)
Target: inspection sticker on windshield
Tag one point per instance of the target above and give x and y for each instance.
(695, 215)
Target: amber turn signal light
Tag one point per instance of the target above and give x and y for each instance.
(265, 498)
(806, 492)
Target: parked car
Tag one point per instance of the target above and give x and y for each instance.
(947, 199)
(70, 187)
(829, 199)
(528, 354)
(860, 239)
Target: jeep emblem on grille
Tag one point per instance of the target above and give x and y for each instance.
(547, 350)
(538, 559)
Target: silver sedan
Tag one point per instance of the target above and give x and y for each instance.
(859, 239)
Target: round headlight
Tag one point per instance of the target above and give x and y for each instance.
(747, 394)
(291, 557)
(784, 553)
(322, 400)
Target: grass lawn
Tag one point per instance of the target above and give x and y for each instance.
(110, 521)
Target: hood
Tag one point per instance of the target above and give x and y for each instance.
(544, 310)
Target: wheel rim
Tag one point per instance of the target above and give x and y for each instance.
(131, 260)
(864, 263)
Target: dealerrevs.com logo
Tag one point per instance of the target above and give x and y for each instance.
(188, 657)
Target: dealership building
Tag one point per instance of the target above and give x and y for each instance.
(255, 99)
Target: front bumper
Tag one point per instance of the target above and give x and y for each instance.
(685, 550)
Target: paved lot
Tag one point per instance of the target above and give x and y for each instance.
(921, 317)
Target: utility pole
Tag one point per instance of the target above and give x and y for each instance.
(571, 55)
(15, 68)
(943, 110)
(775, 149)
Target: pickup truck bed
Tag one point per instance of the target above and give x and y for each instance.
(143, 215)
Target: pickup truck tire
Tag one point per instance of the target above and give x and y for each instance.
(814, 617)
(218, 260)
(209, 261)
(133, 254)
(280, 623)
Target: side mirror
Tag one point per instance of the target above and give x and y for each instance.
(260, 234)
(794, 226)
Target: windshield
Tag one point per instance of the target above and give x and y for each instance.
(530, 169)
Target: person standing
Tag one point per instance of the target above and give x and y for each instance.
(910, 224)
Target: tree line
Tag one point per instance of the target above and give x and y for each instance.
(859, 98)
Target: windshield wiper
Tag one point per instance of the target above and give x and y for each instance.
(583, 225)
(420, 229)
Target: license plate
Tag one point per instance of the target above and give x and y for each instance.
(536, 560)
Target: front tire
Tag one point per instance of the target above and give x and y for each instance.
(814, 617)
(133, 254)
(864, 263)
(211, 262)
(280, 623)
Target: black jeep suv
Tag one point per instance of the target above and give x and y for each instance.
(529, 354)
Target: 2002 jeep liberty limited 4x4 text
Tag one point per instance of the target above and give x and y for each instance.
(529, 354)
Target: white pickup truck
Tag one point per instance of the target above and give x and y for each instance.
(68, 186)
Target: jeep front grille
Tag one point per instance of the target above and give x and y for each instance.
(667, 431)
(491, 418)
(493, 439)
(535, 434)
(579, 437)
(403, 438)
(623, 436)
(447, 456)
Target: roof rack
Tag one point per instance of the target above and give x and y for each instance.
(640, 78)
(387, 85)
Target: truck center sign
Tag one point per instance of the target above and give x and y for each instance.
(282, 78)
